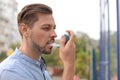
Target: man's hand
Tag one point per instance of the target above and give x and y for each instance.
(67, 55)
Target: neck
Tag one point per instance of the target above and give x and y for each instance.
(28, 51)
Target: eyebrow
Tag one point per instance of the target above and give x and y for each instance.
(49, 25)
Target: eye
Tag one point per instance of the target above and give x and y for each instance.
(46, 27)
(54, 27)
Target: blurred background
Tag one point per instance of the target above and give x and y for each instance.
(94, 23)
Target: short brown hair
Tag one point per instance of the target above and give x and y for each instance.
(28, 14)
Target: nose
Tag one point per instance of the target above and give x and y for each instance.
(53, 34)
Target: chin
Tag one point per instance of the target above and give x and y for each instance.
(47, 52)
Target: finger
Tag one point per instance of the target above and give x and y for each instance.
(71, 35)
(62, 41)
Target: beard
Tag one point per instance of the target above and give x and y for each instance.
(37, 48)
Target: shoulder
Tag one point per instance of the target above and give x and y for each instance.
(13, 75)
(11, 64)
(12, 67)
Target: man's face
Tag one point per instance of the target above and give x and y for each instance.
(42, 34)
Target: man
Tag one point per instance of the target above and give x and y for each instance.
(37, 28)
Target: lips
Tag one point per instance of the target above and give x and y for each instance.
(50, 43)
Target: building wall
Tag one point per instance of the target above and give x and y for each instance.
(8, 24)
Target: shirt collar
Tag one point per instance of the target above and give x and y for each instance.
(17, 53)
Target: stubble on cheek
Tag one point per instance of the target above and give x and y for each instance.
(39, 48)
(39, 43)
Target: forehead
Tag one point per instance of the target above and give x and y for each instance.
(45, 19)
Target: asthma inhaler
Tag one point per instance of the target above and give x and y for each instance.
(66, 37)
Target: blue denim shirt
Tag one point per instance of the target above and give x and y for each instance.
(20, 67)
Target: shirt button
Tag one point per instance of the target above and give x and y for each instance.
(37, 63)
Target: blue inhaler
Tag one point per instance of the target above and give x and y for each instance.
(66, 38)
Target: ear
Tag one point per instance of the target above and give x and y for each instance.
(24, 29)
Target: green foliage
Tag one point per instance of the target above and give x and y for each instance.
(113, 55)
(13, 46)
(2, 56)
(83, 58)
(53, 58)
(82, 64)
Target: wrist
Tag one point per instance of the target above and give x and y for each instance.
(68, 72)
